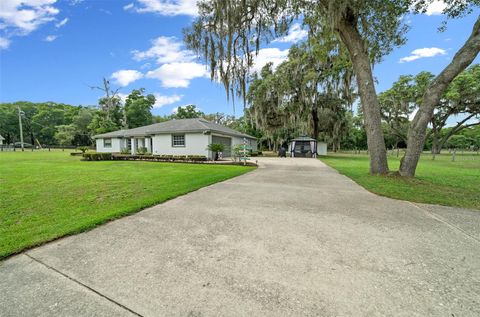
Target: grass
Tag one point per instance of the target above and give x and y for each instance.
(47, 195)
(441, 181)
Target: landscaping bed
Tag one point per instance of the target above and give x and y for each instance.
(160, 158)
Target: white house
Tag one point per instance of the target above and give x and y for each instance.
(1, 139)
(174, 137)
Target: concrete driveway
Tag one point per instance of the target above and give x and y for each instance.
(293, 238)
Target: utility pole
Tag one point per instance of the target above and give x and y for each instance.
(21, 127)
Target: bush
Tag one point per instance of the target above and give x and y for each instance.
(162, 158)
(83, 149)
(142, 151)
(125, 151)
(97, 156)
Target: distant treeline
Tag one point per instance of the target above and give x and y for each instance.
(50, 123)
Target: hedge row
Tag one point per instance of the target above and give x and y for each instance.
(97, 156)
(161, 158)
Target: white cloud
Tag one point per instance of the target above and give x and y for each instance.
(165, 50)
(174, 75)
(161, 100)
(50, 38)
(295, 34)
(266, 55)
(129, 6)
(176, 64)
(25, 16)
(4, 43)
(436, 8)
(164, 7)
(21, 17)
(61, 23)
(422, 53)
(125, 77)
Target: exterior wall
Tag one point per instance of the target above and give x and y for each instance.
(195, 144)
(238, 140)
(116, 145)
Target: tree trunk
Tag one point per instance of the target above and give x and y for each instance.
(436, 146)
(315, 124)
(348, 32)
(431, 98)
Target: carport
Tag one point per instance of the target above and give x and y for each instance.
(305, 146)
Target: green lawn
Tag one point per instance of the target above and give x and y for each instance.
(441, 182)
(46, 195)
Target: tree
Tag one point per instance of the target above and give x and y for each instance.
(113, 111)
(220, 118)
(138, 107)
(187, 112)
(216, 148)
(65, 134)
(101, 123)
(461, 99)
(396, 104)
(434, 92)
(110, 104)
(309, 93)
(368, 30)
(81, 122)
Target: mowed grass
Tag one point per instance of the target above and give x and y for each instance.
(441, 181)
(46, 195)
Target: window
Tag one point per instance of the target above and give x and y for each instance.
(107, 142)
(178, 140)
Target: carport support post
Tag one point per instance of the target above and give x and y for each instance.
(134, 146)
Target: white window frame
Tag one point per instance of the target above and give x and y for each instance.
(177, 143)
(105, 143)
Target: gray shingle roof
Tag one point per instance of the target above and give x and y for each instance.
(174, 126)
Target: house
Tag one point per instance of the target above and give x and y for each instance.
(174, 137)
(1, 139)
(304, 146)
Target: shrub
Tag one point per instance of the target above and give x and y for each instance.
(83, 149)
(142, 151)
(216, 148)
(125, 151)
(97, 156)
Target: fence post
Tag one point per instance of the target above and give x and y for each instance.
(453, 155)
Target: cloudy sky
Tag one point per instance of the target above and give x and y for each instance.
(53, 50)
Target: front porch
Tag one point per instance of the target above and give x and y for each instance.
(135, 143)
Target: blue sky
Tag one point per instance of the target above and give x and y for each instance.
(53, 50)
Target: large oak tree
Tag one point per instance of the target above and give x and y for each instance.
(228, 33)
